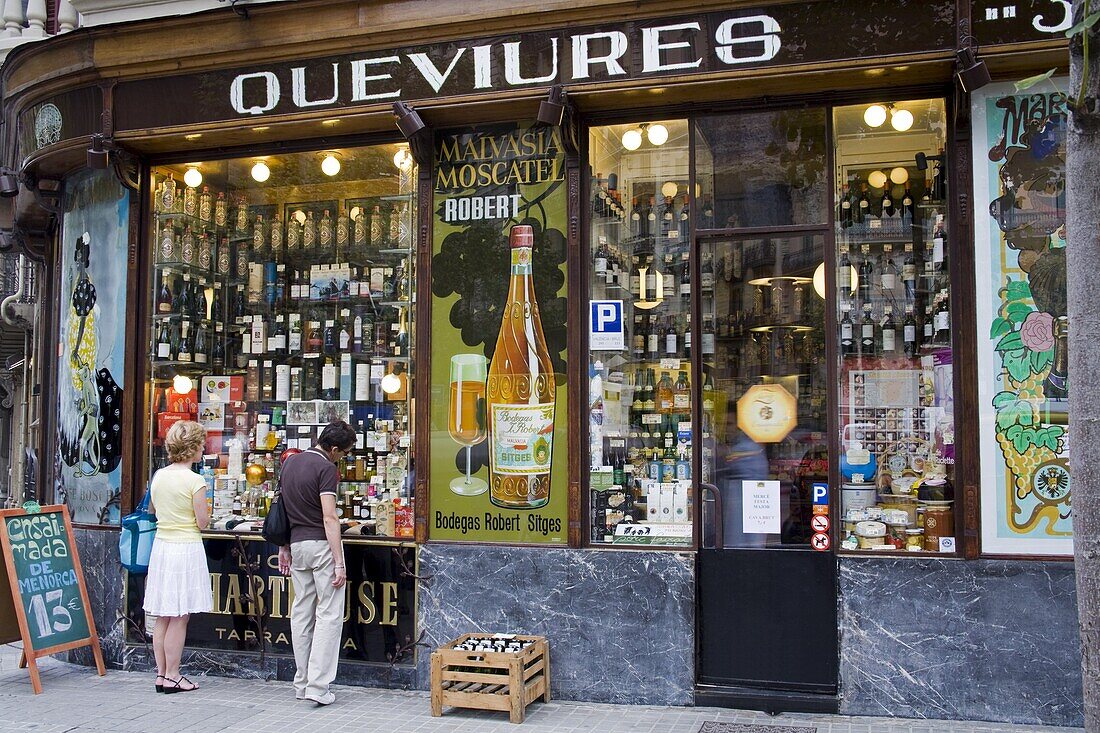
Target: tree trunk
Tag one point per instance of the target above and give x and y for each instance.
(1083, 263)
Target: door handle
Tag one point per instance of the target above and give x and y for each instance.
(704, 489)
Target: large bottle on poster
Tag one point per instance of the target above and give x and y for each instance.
(520, 392)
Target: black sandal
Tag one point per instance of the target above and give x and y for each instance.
(176, 686)
(160, 687)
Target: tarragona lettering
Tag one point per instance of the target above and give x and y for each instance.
(367, 603)
(572, 58)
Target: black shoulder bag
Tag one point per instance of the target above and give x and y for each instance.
(276, 524)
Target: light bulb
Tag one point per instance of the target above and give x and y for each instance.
(657, 134)
(299, 216)
(876, 179)
(874, 115)
(669, 189)
(192, 177)
(403, 159)
(819, 281)
(391, 383)
(901, 120)
(632, 139)
(182, 384)
(260, 172)
(899, 175)
(330, 165)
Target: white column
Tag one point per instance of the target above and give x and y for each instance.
(13, 18)
(36, 19)
(66, 17)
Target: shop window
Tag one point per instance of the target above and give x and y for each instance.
(282, 300)
(894, 331)
(762, 169)
(640, 397)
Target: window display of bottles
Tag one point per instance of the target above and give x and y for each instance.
(274, 316)
(640, 397)
(894, 334)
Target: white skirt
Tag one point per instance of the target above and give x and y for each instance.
(178, 582)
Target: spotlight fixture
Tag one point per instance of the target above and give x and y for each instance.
(973, 74)
(9, 183)
(875, 115)
(657, 134)
(408, 120)
(922, 160)
(192, 177)
(632, 139)
(403, 159)
(97, 154)
(330, 165)
(260, 172)
(552, 109)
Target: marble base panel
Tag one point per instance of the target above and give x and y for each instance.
(621, 625)
(103, 577)
(982, 640)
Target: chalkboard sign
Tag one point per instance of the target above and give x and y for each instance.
(48, 602)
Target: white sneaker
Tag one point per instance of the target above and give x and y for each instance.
(327, 699)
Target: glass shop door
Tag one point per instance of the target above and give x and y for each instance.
(767, 601)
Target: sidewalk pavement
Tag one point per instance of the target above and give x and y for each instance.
(75, 699)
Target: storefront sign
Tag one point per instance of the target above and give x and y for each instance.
(1020, 21)
(499, 452)
(761, 510)
(767, 35)
(605, 326)
(1022, 323)
(379, 614)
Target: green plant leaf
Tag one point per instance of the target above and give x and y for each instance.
(1017, 311)
(1031, 81)
(1004, 399)
(1089, 21)
(1018, 290)
(999, 327)
(1041, 360)
(1010, 342)
(1018, 364)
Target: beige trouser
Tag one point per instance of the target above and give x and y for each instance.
(316, 618)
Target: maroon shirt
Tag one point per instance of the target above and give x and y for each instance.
(304, 478)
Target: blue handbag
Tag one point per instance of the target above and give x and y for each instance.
(135, 542)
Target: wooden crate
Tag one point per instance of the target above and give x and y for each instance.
(491, 680)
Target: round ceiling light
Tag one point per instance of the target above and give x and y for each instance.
(260, 172)
(876, 179)
(391, 383)
(330, 165)
(192, 177)
(901, 120)
(403, 159)
(632, 139)
(899, 175)
(875, 115)
(669, 189)
(657, 134)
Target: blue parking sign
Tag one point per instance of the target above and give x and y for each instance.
(821, 494)
(605, 326)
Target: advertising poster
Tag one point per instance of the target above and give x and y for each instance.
(92, 346)
(1023, 330)
(498, 407)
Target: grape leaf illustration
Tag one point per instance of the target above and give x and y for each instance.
(475, 263)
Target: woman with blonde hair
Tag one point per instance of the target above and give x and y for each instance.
(178, 583)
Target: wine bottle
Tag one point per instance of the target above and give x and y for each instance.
(943, 321)
(844, 274)
(847, 337)
(276, 238)
(520, 411)
(184, 352)
(206, 205)
(844, 215)
(376, 227)
(221, 211)
(169, 242)
(706, 274)
(866, 274)
(867, 332)
(188, 253)
(889, 271)
(206, 251)
(164, 296)
(653, 339)
(326, 235)
(909, 333)
(190, 201)
(685, 277)
(200, 345)
(218, 355)
(889, 332)
(909, 273)
(681, 395)
(259, 237)
(665, 394)
(309, 233)
(164, 341)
